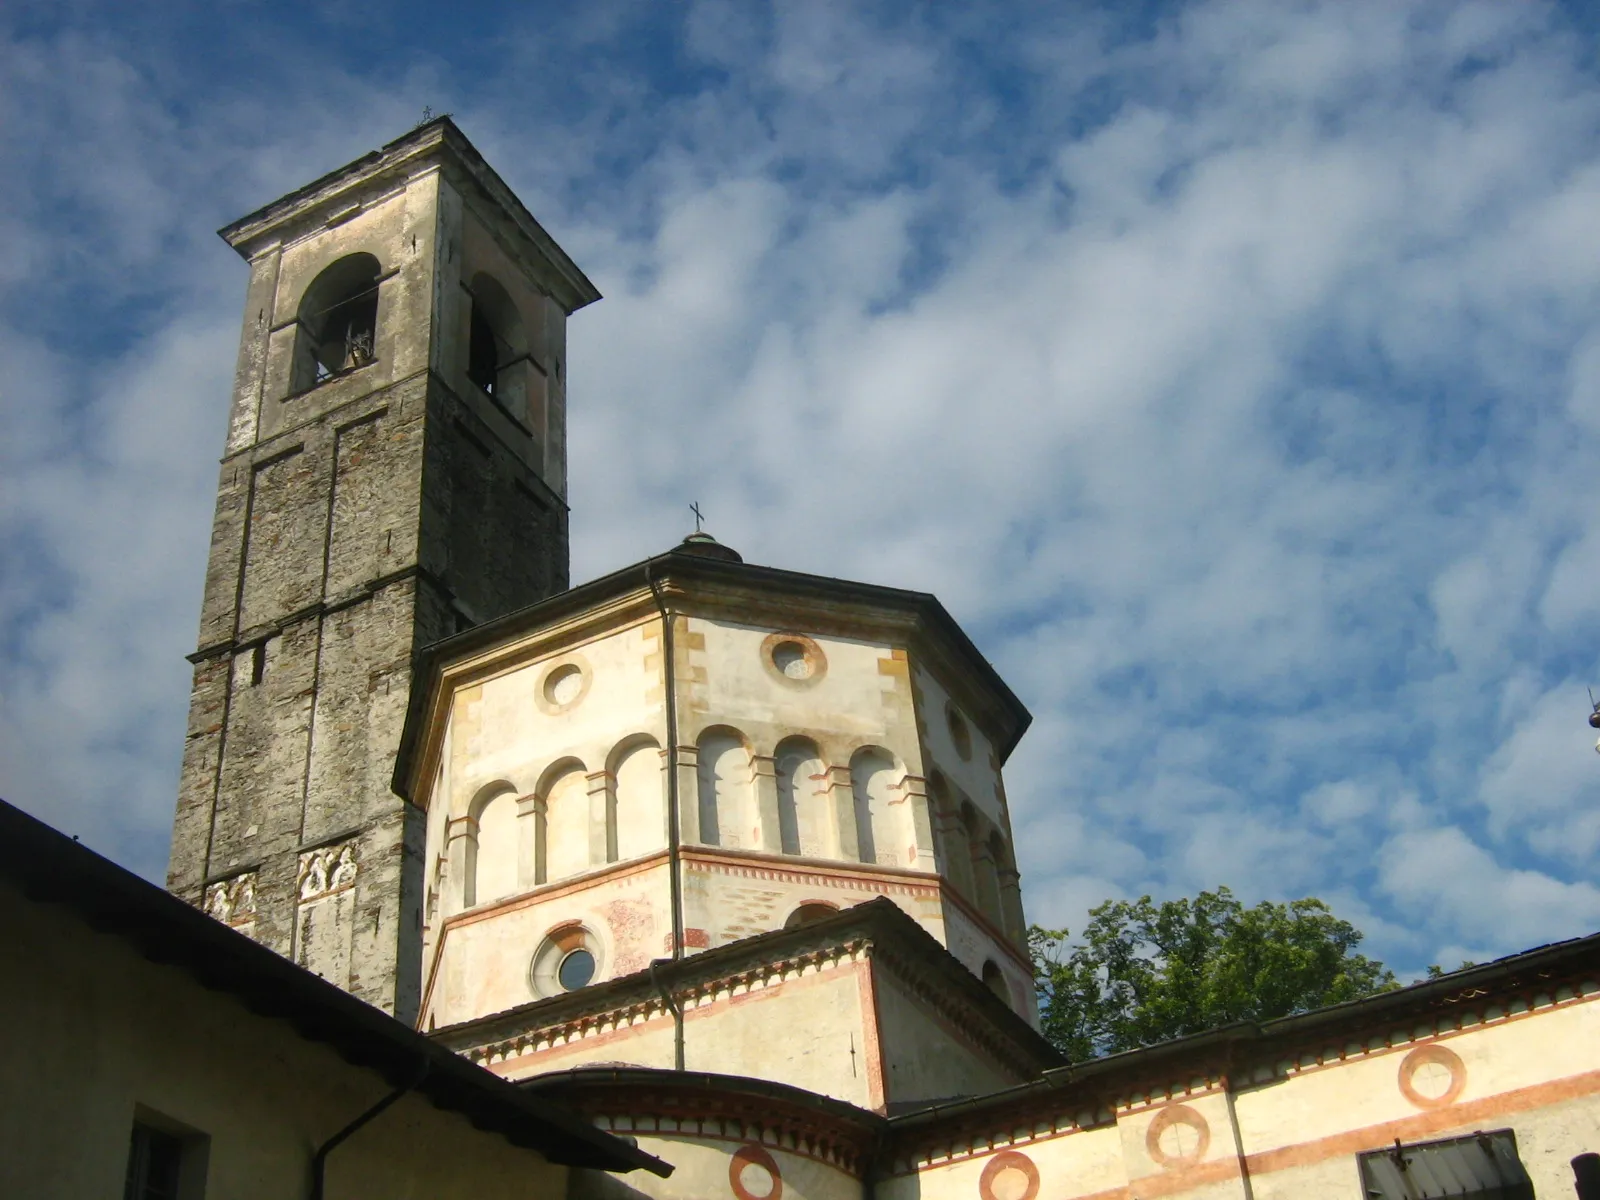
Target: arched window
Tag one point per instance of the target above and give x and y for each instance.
(985, 872)
(498, 358)
(803, 820)
(337, 322)
(807, 913)
(727, 814)
(995, 980)
(877, 834)
(954, 848)
(566, 837)
(493, 874)
(641, 809)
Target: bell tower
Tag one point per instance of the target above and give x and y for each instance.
(394, 472)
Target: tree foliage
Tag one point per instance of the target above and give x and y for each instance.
(1148, 972)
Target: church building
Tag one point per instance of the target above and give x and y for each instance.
(717, 852)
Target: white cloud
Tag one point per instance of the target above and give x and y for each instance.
(1234, 384)
(1478, 898)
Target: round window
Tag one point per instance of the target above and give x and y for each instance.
(576, 970)
(562, 685)
(790, 659)
(568, 959)
(794, 659)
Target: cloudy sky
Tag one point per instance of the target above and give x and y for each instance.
(1231, 370)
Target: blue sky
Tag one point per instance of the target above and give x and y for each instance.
(1231, 371)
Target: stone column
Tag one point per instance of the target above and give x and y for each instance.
(602, 818)
(914, 795)
(841, 791)
(461, 858)
(530, 841)
(764, 781)
(1011, 905)
(688, 795)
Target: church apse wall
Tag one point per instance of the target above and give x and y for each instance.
(801, 792)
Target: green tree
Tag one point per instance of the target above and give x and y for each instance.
(1147, 972)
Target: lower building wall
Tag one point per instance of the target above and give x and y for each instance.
(721, 1169)
(1082, 1164)
(1536, 1071)
(1298, 1131)
(927, 1056)
(813, 1030)
(90, 1033)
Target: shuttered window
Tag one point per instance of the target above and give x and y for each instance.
(1481, 1166)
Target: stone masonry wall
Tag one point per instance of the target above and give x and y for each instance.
(356, 522)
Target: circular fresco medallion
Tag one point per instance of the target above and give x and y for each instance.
(1432, 1076)
(1178, 1137)
(1009, 1175)
(753, 1174)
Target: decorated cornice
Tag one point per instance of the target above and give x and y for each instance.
(1246, 1055)
(877, 930)
(530, 1029)
(644, 1101)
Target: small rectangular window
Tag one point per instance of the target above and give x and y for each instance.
(166, 1161)
(155, 1161)
(1479, 1166)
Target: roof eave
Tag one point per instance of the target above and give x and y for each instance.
(249, 233)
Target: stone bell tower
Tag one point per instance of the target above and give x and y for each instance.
(395, 472)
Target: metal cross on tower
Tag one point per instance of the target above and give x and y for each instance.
(698, 518)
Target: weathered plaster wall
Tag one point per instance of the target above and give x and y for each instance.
(484, 959)
(99, 1030)
(974, 939)
(719, 1166)
(1083, 1164)
(926, 1055)
(1538, 1072)
(814, 1028)
(972, 774)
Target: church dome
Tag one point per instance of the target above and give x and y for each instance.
(706, 546)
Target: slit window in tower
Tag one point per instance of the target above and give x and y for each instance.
(483, 352)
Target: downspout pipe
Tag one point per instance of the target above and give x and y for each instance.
(319, 1160)
(869, 1176)
(673, 1007)
(674, 840)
